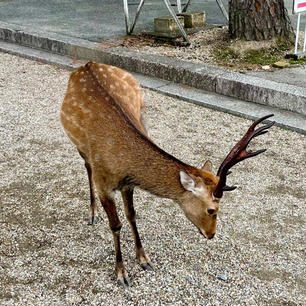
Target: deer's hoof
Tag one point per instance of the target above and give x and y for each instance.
(147, 266)
(124, 282)
(93, 220)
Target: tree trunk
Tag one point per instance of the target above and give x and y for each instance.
(259, 20)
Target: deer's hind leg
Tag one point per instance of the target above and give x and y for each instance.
(93, 213)
(115, 226)
(127, 196)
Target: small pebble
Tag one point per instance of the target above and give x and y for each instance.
(222, 277)
(266, 67)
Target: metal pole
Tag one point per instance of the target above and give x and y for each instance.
(126, 16)
(179, 6)
(223, 10)
(141, 3)
(177, 21)
(297, 33)
(186, 6)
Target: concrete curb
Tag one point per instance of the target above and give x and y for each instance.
(209, 78)
(282, 118)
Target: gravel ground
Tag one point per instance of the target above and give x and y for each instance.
(50, 256)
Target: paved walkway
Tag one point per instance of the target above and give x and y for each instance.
(97, 20)
(94, 20)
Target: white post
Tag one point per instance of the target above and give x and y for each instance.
(304, 46)
(297, 33)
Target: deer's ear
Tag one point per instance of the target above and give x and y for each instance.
(207, 166)
(187, 181)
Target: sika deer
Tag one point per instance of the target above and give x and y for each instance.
(101, 114)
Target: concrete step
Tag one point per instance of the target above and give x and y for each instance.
(245, 87)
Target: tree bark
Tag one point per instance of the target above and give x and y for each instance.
(259, 20)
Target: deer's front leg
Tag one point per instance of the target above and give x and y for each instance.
(143, 259)
(115, 226)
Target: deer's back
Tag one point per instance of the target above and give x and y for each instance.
(91, 90)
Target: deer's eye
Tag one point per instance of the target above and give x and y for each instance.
(211, 211)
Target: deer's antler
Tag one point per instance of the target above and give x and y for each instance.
(239, 153)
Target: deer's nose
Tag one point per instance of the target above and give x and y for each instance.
(211, 236)
(208, 236)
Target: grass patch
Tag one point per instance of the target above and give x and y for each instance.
(298, 61)
(226, 54)
(232, 57)
(261, 56)
(283, 44)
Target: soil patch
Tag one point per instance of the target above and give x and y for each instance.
(214, 46)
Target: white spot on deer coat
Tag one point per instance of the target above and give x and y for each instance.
(98, 157)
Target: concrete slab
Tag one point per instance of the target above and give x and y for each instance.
(284, 119)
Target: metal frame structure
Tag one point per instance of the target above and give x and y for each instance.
(130, 29)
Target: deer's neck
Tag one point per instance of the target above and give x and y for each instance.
(160, 172)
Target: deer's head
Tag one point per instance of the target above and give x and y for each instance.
(203, 190)
(198, 202)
